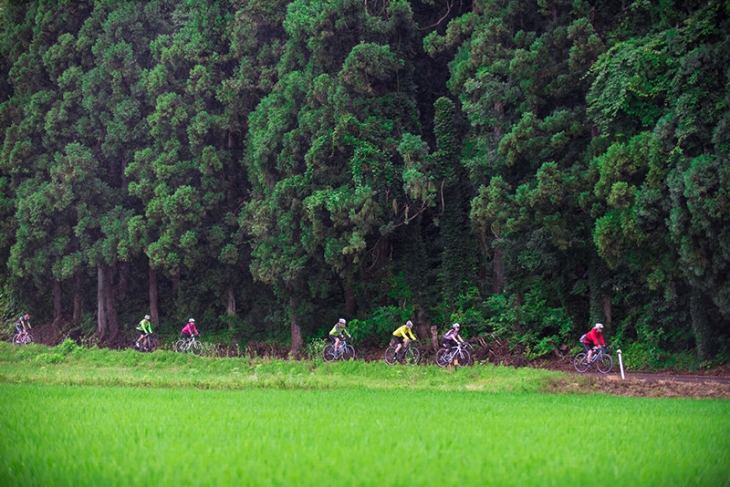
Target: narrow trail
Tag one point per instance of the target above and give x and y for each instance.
(693, 379)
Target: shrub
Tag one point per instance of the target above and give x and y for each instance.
(379, 327)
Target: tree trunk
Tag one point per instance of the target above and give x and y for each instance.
(111, 314)
(435, 338)
(175, 284)
(106, 324)
(498, 266)
(120, 291)
(607, 310)
(231, 307)
(154, 317)
(57, 308)
(350, 306)
(78, 298)
(701, 327)
(101, 321)
(296, 331)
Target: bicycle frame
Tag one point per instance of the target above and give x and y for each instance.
(458, 351)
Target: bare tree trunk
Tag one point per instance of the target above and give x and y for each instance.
(350, 298)
(101, 322)
(78, 298)
(607, 309)
(296, 331)
(106, 327)
(231, 307)
(120, 291)
(435, 338)
(498, 265)
(175, 284)
(57, 308)
(153, 295)
(111, 314)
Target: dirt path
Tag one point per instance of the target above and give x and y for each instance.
(694, 379)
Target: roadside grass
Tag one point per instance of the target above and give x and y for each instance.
(78, 436)
(69, 364)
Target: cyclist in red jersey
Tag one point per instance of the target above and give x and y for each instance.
(592, 340)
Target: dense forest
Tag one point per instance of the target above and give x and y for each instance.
(524, 167)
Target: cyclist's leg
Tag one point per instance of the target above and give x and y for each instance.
(398, 346)
(589, 351)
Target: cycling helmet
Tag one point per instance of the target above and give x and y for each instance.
(146, 317)
(456, 325)
(599, 326)
(191, 320)
(342, 321)
(409, 323)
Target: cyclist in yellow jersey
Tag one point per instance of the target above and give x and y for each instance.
(337, 331)
(403, 335)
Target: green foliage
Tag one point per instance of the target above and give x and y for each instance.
(314, 350)
(276, 162)
(378, 328)
(534, 324)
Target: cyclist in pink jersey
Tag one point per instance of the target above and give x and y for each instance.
(189, 329)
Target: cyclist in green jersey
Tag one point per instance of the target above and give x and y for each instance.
(336, 333)
(144, 328)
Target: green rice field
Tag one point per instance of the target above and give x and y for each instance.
(103, 418)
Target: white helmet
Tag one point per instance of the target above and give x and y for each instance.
(342, 321)
(409, 323)
(146, 317)
(456, 325)
(191, 320)
(599, 326)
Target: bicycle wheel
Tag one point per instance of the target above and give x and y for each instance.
(464, 358)
(389, 355)
(579, 362)
(180, 345)
(348, 353)
(28, 338)
(412, 356)
(442, 358)
(152, 343)
(329, 353)
(604, 363)
(196, 347)
(17, 340)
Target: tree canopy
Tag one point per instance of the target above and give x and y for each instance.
(524, 167)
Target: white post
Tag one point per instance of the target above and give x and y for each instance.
(621, 364)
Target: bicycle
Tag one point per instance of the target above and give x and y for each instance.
(185, 345)
(458, 355)
(601, 358)
(343, 352)
(22, 338)
(407, 355)
(147, 344)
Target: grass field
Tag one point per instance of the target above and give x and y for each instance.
(435, 428)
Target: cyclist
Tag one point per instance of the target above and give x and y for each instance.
(402, 336)
(336, 333)
(592, 340)
(144, 328)
(22, 325)
(452, 338)
(188, 330)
